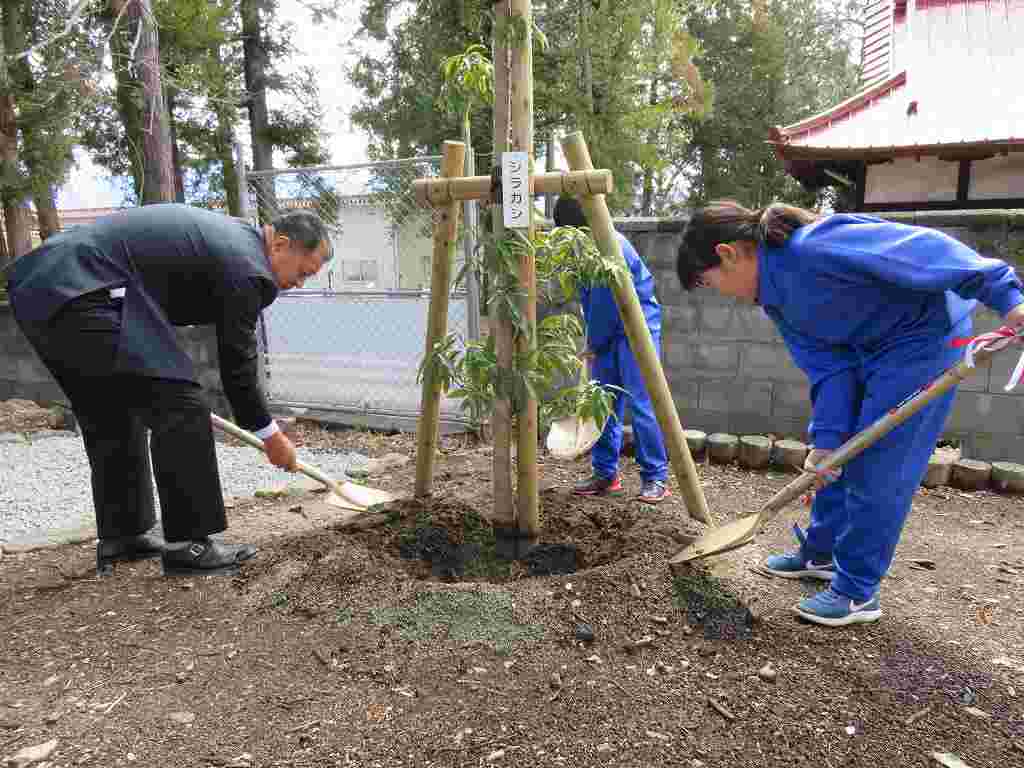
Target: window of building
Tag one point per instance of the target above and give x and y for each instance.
(906, 180)
(1000, 176)
(359, 270)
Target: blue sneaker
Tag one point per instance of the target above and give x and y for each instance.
(796, 565)
(792, 565)
(835, 610)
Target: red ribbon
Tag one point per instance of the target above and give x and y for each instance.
(963, 341)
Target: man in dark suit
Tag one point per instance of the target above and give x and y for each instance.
(99, 303)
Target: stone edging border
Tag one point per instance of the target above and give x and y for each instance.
(945, 467)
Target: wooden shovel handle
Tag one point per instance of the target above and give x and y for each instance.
(255, 442)
(872, 434)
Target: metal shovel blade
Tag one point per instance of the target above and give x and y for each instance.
(364, 495)
(724, 538)
(334, 500)
(571, 437)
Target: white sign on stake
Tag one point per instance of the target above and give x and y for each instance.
(515, 189)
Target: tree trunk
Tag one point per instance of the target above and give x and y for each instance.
(40, 178)
(16, 215)
(255, 66)
(224, 145)
(179, 173)
(146, 124)
(158, 170)
(225, 153)
(46, 209)
(18, 221)
(647, 207)
(127, 86)
(588, 62)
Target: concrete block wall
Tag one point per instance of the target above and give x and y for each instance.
(730, 372)
(23, 375)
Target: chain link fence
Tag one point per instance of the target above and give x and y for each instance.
(350, 342)
(354, 354)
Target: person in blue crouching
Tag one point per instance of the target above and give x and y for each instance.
(613, 363)
(868, 309)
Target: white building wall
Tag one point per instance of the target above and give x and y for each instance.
(372, 255)
(907, 179)
(364, 253)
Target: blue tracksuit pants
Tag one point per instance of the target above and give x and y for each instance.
(617, 366)
(858, 519)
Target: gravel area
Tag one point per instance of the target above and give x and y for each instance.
(45, 481)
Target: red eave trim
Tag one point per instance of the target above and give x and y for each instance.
(842, 109)
(800, 152)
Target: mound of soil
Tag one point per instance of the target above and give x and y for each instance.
(450, 539)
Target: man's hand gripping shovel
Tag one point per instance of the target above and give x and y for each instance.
(738, 533)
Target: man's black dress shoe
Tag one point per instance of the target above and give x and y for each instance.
(206, 557)
(126, 549)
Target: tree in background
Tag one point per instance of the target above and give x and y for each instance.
(623, 74)
(788, 61)
(400, 110)
(610, 69)
(678, 98)
(219, 66)
(47, 69)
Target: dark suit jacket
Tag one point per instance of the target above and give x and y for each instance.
(180, 266)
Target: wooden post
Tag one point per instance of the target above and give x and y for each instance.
(522, 141)
(639, 335)
(446, 228)
(504, 514)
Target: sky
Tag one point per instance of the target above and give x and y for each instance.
(328, 48)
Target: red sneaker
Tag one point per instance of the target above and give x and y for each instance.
(598, 486)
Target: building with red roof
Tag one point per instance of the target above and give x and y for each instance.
(939, 120)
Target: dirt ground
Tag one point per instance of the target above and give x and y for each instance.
(336, 647)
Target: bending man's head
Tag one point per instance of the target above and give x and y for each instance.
(298, 245)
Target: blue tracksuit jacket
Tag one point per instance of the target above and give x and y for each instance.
(867, 309)
(615, 364)
(601, 314)
(850, 286)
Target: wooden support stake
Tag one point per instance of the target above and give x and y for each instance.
(521, 86)
(444, 190)
(640, 341)
(446, 229)
(501, 325)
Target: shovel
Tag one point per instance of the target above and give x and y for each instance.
(571, 437)
(344, 495)
(740, 532)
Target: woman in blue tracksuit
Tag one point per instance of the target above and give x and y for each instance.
(868, 310)
(613, 363)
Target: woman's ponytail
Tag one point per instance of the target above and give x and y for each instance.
(778, 221)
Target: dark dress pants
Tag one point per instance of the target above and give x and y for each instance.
(114, 410)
